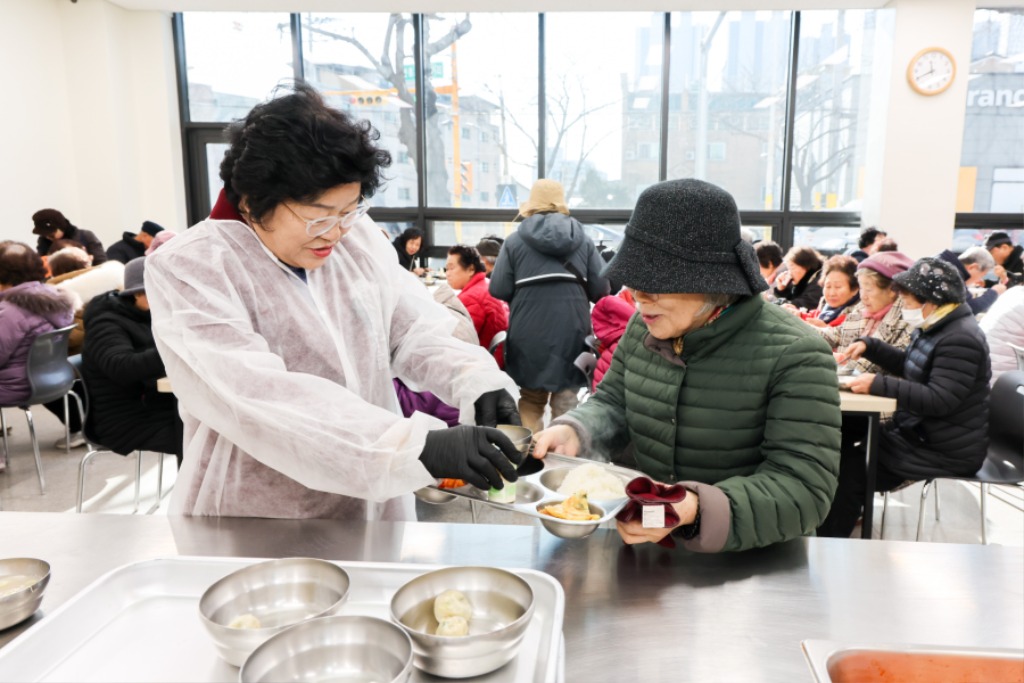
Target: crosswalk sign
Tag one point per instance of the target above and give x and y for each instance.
(507, 197)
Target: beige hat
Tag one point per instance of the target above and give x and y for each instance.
(546, 196)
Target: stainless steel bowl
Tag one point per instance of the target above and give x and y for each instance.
(280, 593)
(434, 496)
(23, 601)
(520, 436)
(502, 610)
(340, 648)
(564, 528)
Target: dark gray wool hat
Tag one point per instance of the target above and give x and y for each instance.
(684, 237)
(934, 281)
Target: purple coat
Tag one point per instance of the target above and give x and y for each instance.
(26, 311)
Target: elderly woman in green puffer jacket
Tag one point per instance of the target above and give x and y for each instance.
(711, 387)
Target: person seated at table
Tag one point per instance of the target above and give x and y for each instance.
(72, 271)
(868, 242)
(714, 388)
(880, 312)
(134, 244)
(840, 292)
(1003, 325)
(51, 225)
(1009, 258)
(28, 308)
(408, 245)
(465, 272)
(121, 366)
(973, 265)
(769, 261)
(941, 386)
(800, 285)
(489, 247)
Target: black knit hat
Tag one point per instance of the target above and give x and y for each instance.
(151, 228)
(684, 237)
(934, 281)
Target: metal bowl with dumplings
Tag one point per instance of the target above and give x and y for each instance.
(277, 594)
(338, 648)
(502, 607)
(564, 528)
(22, 583)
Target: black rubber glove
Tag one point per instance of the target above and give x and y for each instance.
(497, 408)
(479, 455)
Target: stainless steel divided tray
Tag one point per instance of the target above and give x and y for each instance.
(537, 489)
(141, 623)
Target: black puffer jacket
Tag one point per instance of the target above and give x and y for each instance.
(121, 365)
(549, 313)
(940, 383)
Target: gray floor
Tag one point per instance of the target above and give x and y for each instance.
(110, 483)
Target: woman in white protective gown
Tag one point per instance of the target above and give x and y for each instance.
(284, 317)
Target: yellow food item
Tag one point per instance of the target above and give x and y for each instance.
(575, 508)
(453, 626)
(452, 603)
(245, 621)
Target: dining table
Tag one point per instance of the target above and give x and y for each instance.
(630, 612)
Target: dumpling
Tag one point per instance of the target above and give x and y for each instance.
(452, 603)
(453, 626)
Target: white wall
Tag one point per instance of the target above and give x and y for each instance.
(911, 181)
(89, 123)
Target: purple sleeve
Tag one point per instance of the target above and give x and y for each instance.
(425, 402)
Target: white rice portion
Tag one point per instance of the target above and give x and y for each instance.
(597, 482)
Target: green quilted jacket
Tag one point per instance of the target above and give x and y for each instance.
(747, 417)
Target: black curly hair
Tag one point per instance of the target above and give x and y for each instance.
(296, 147)
(469, 257)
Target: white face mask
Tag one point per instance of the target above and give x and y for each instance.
(913, 317)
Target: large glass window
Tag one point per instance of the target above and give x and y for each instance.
(483, 132)
(234, 60)
(363, 65)
(603, 105)
(992, 157)
(832, 104)
(727, 102)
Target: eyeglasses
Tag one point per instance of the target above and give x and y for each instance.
(321, 226)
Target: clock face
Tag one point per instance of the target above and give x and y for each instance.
(931, 71)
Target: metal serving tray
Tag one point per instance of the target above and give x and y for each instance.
(533, 491)
(140, 622)
(823, 655)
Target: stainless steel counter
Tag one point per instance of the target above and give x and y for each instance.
(631, 613)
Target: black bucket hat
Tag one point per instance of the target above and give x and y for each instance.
(934, 281)
(684, 237)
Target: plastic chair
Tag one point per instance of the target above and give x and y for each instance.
(50, 377)
(586, 362)
(592, 343)
(1019, 353)
(94, 448)
(1004, 464)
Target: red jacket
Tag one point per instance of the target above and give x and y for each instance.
(490, 315)
(610, 317)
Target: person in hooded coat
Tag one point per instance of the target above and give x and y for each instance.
(284, 318)
(51, 225)
(549, 271)
(121, 366)
(28, 308)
